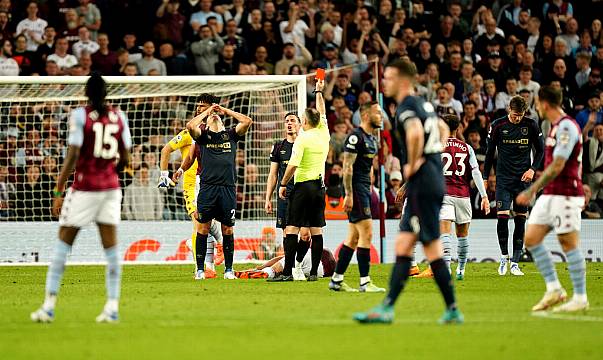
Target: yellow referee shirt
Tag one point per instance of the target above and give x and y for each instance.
(183, 142)
(310, 152)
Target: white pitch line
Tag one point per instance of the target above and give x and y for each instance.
(547, 315)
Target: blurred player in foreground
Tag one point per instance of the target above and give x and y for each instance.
(421, 134)
(98, 136)
(359, 150)
(274, 267)
(184, 142)
(460, 167)
(279, 159)
(559, 207)
(217, 192)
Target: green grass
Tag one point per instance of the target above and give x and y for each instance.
(166, 315)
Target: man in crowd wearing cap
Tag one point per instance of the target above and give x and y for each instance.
(289, 58)
(592, 114)
(494, 70)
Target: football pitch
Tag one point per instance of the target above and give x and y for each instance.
(166, 315)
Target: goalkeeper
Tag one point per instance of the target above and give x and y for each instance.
(184, 142)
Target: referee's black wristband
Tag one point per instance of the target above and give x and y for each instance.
(317, 91)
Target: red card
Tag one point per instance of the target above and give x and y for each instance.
(320, 74)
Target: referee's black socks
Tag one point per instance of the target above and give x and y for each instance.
(317, 246)
(398, 279)
(200, 250)
(290, 247)
(302, 250)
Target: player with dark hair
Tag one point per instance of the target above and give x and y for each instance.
(420, 133)
(98, 136)
(279, 159)
(217, 192)
(514, 136)
(184, 142)
(559, 207)
(460, 167)
(359, 150)
(307, 199)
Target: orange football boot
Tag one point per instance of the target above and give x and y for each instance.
(426, 274)
(414, 271)
(210, 274)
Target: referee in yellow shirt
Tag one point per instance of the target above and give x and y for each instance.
(307, 199)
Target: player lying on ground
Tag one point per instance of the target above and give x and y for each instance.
(460, 167)
(98, 136)
(306, 202)
(359, 150)
(514, 136)
(217, 191)
(559, 207)
(279, 159)
(421, 134)
(274, 267)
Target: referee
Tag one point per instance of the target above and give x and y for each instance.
(307, 199)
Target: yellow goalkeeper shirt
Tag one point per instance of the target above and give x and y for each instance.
(310, 152)
(183, 142)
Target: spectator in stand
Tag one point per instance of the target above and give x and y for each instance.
(199, 18)
(170, 22)
(24, 58)
(490, 35)
(394, 207)
(29, 200)
(464, 84)
(206, 50)
(6, 28)
(238, 13)
(7, 193)
(85, 63)
(520, 30)
(451, 72)
(526, 82)
(85, 43)
(174, 64)
(534, 38)
(591, 115)
(444, 105)
(91, 17)
(504, 97)
(594, 84)
(236, 40)
(149, 62)
(104, 60)
(261, 54)
(142, 199)
(61, 57)
(253, 31)
(228, 64)
(52, 69)
(340, 133)
(122, 61)
(591, 209)
(294, 27)
(46, 48)
(592, 159)
(290, 58)
(32, 27)
(474, 139)
(583, 67)
(340, 85)
(586, 44)
(134, 51)
(8, 66)
(494, 70)
(71, 25)
(570, 35)
(531, 111)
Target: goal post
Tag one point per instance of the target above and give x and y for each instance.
(34, 126)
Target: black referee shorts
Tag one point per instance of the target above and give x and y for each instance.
(307, 205)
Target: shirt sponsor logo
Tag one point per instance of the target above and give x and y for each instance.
(516, 141)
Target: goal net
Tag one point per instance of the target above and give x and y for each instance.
(34, 115)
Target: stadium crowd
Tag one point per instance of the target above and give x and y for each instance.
(472, 57)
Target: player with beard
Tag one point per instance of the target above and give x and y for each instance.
(360, 148)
